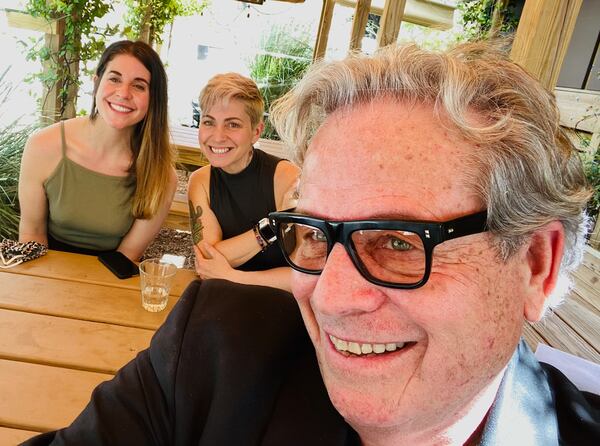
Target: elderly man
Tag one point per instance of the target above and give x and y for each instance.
(439, 205)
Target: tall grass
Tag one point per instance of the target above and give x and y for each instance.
(12, 141)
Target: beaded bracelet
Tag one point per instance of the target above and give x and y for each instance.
(261, 241)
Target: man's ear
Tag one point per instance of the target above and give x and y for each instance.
(544, 254)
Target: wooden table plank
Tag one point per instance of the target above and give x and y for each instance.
(42, 398)
(69, 343)
(78, 300)
(88, 269)
(582, 317)
(9, 436)
(559, 335)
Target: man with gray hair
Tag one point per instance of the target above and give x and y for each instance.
(439, 205)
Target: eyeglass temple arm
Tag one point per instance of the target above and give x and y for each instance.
(471, 224)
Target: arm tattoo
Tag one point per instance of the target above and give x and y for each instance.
(195, 222)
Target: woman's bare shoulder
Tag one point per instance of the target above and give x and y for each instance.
(200, 177)
(286, 172)
(47, 139)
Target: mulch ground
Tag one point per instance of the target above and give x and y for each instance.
(173, 241)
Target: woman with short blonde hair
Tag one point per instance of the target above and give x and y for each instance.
(230, 199)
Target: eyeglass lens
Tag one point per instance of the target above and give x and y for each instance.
(393, 256)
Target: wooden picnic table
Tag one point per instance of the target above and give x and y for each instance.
(66, 324)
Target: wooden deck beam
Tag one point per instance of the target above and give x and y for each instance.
(361, 16)
(543, 36)
(390, 22)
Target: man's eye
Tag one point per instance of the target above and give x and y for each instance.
(318, 236)
(234, 125)
(399, 245)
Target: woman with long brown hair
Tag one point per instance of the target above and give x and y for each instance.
(104, 182)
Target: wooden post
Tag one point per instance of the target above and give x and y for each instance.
(361, 16)
(324, 27)
(543, 36)
(393, 11)
(50, 98)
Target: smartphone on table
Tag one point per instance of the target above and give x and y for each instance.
(119, 264)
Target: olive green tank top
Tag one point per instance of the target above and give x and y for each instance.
(87, 209)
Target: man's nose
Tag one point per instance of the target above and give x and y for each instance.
(342, 290)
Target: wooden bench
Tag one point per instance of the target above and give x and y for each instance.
(179, 214)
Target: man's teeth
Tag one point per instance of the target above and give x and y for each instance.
(120, 108)
(219, 150)
(364, 349)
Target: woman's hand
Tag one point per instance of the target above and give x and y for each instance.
(211, 264)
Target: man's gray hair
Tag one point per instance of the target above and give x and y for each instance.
(525, 170)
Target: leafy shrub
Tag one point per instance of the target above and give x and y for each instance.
(12, 141)
(592, 172)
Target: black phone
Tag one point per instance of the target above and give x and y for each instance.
(119, 264)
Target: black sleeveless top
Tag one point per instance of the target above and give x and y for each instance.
(240, 200)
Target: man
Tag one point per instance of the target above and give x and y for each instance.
(438, 207)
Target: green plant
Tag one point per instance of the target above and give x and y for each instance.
(592, 172)
(77, 40)
(62, 56)
(12, 141)
(146, 19)
(480, 18)
(283, 58)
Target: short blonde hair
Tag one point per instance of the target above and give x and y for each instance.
(526, 170)
(227, 86)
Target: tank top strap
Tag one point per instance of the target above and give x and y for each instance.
(63, 139)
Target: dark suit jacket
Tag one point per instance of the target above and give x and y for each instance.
(233, 366)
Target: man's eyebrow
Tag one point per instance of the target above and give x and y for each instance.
(136, 79)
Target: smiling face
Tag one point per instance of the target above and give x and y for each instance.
(226, 135)
(431, 352)
(123, 93)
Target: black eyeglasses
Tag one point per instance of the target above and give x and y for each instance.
(390, 253)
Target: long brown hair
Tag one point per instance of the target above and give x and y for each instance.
(153, 154)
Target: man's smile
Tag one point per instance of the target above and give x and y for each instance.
(358, 349)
